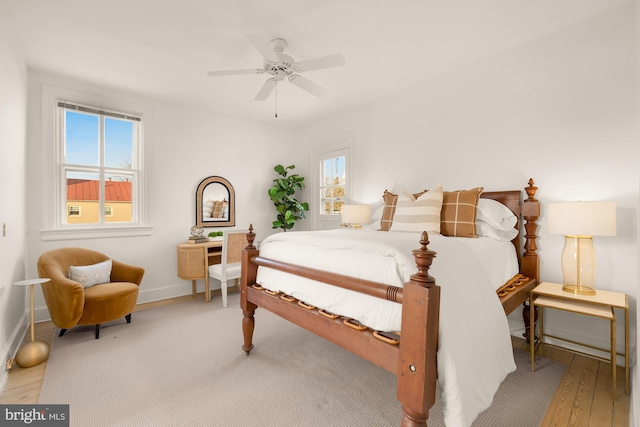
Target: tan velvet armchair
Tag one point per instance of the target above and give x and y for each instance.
(71, 304)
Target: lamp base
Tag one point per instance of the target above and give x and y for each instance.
(581, 290)
(32, 354)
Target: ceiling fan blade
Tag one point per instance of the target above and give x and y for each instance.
(266, 90)
(264, 48)
(329, 61)
(308, 85)
(234, 72)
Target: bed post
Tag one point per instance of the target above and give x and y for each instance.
(530, 264)
(417, 371)
(247, 278)
(531, 212)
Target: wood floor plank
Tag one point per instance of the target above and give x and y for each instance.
(24, 393)
(621, 404)
(556, 353)
(602, 408)
(559, 412)
(581, 411)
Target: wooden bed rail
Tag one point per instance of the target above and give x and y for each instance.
(367, 287)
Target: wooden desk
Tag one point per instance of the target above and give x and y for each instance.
(194, 260)
(602, 305)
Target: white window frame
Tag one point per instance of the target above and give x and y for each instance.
(345, 148)
(54, 205)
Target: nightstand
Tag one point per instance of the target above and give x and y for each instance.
(602, 305)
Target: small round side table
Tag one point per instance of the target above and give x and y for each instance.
(34, 352)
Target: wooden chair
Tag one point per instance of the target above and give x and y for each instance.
(233, 242)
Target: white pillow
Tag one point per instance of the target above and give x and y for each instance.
(496, 215)
(89, 275)
(207, 208)
(378, 212)
(486, 230)
(375, 225)
(421, 214)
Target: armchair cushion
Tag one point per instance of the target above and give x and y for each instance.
(90, 275)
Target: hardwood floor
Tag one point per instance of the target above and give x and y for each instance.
(582, 399)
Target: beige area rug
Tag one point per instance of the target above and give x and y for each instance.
(182, 365)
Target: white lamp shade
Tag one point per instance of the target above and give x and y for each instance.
(356, 214)
(582, 218)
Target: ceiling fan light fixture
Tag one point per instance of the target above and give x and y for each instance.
(281, 65)
(279, 45)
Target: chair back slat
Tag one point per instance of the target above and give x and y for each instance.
(236, 242)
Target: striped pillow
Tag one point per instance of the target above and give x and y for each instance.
(418, 214)
(389, 210)
(459, 212)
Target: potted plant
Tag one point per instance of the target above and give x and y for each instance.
(289, 210)
(215, 235)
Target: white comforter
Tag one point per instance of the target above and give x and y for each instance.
(474, 347)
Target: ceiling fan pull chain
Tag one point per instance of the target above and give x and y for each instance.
(276, 98)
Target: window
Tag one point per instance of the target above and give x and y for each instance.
(97, 178)
(332, 185)
(332, 182)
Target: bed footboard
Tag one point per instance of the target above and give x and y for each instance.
(417, 371)
(412, 359)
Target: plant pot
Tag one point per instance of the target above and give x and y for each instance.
(214, 239)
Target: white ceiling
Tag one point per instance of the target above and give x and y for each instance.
(164, 48)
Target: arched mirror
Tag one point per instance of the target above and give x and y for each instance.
(215, 203)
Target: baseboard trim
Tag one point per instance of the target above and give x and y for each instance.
(12, 345)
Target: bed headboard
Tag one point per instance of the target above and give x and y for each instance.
(527, 210)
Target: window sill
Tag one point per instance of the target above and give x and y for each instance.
(96, 232)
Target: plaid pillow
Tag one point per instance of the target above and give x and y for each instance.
(218, 209)
(459, 212)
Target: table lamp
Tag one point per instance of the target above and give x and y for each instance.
(579, 221)
(355, 215)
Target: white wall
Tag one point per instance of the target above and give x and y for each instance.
(186, 146)
(634, 416)
(560, 109)
(13, 112)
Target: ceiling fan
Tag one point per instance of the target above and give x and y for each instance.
(281, 65)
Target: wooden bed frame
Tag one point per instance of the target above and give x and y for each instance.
(413, 358)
